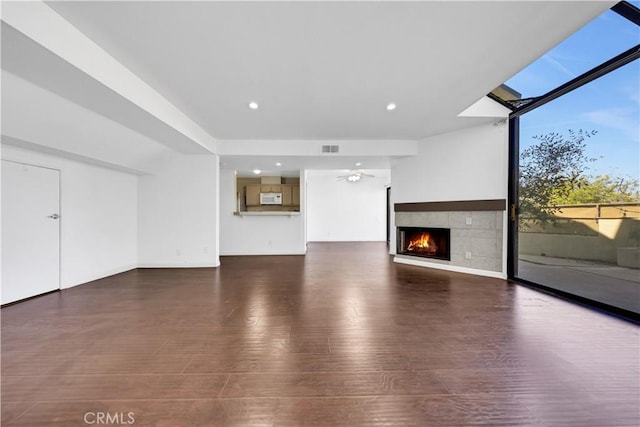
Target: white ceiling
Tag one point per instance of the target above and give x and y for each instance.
(319, 70)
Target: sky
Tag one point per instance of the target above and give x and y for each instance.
(610, 105)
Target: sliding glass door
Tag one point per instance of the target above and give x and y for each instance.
(575, 197)
(578, 219)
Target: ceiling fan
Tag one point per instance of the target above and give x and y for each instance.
(355, 176)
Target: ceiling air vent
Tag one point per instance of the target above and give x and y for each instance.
(330, 148)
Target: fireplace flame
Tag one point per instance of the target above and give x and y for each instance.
(424, 243)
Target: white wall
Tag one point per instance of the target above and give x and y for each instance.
(98, 217)
(342, 211)
(258, 235)
(469, 164)
(177, 212)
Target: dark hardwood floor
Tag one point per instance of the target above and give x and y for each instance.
(340, 337)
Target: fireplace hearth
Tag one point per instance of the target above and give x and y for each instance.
(426, 242)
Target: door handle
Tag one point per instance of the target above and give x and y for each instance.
(513, 213)
(54, 216)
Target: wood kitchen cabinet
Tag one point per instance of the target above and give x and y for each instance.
(295, 195)
(252, 195)
(287, 200)
(290, 195)
(271, 188)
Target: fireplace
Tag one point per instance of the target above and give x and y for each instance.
(424, 242)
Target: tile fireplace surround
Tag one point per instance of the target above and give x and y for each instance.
(477, 229)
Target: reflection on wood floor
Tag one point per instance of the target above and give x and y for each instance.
(339, 337)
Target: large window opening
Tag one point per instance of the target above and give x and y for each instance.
(575, 154)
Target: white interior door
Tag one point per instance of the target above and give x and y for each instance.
(30, 231)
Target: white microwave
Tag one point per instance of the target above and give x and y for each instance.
(270, 198)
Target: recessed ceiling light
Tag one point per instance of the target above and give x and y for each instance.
(257, 171)
(253, 105)
(358, 164)
(278, 164)
(391, 106)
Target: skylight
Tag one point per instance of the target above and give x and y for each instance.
(603, 38)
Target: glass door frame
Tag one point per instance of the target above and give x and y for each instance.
(633, 14)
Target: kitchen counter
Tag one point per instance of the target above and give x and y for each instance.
(268, 213)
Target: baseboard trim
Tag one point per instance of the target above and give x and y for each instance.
(105, 274)
(28, 298)
(195, 265)
(454, 268)
(263, 253)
